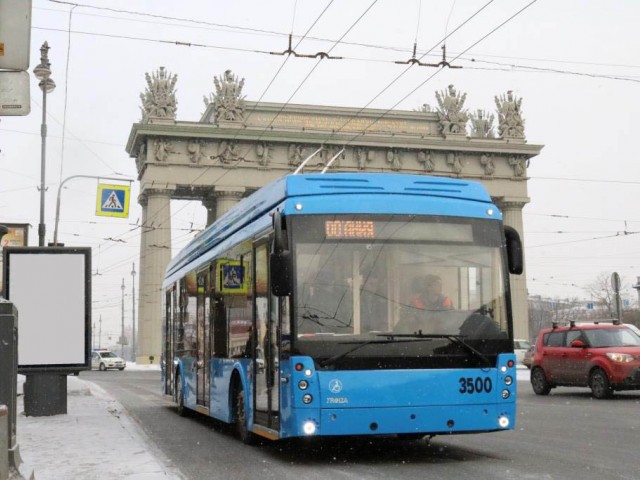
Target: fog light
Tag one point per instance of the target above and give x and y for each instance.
(506, 394)
(307, 399)
(508, 381)
(503, 422)
(303, 384)
(309, 427)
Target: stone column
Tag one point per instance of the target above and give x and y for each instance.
(227, 198)
(209, 203)
(512, 215)
(155, 254)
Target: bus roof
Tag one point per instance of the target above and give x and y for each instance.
(369, 186)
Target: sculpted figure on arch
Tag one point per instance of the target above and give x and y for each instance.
(228, 101)
(159, 98)
(510, 121)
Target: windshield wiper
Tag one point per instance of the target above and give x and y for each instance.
(454, 338)
(314, 318)
(390, 339)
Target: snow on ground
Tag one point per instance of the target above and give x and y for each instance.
(522, 374)
(95, 440)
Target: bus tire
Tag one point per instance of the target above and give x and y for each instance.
(240, 417)
(182, 410)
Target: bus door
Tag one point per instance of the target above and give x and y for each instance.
(203, 349)
(266, 363)
(166, 363)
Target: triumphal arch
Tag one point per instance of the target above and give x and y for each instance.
(239, 145)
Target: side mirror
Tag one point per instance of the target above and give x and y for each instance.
(280, 267)
(578, 344)
(280, 263)
(514, 250)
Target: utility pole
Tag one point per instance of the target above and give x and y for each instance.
(133, 311)
(47, 85)
(637, 287)
(100, 334)
(122, 334)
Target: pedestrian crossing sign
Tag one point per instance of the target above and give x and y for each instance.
(113, 200)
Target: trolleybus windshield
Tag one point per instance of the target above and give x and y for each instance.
(375, 281)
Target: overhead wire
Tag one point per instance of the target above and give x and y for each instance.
(261, 96)
(66, 90)
(256, 31)
(295, 91)
(440, 70)
(514, 67)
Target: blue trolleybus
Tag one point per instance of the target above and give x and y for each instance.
(347, 304)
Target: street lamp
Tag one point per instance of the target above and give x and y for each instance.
(47, 85)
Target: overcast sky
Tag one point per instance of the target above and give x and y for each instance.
(576, 65)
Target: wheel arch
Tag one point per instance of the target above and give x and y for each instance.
(239, 380)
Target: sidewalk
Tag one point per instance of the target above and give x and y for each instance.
(95, 440)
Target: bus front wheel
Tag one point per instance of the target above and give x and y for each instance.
(241, 417)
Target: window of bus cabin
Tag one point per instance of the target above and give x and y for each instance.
(355, 278)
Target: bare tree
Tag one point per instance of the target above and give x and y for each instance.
(602, 293)
(544, 312)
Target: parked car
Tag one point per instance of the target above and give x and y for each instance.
(105, 359)
(520, 347)
(602, 356)
(527, 360)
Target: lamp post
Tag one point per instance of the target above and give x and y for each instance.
(122, 334)
(47, 85)
(133, 322)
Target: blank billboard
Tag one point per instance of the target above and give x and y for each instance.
(51, 288)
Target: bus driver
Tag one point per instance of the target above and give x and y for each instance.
(428, 294)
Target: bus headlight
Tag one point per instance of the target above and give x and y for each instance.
(506, 394)
(309, 427)
(303, 384)
(508, 380)
(503, 422)
(307, 399)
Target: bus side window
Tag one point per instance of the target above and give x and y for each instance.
(219, 327)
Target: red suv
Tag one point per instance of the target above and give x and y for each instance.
(602, 356)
